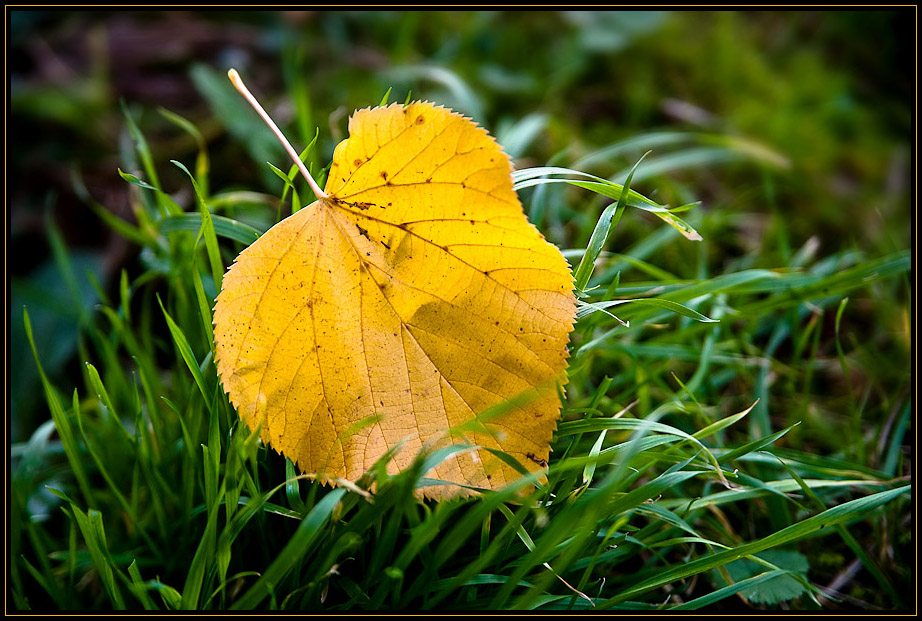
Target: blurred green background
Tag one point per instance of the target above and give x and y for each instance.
(821, 104)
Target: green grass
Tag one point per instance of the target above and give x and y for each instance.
(734, 431)
(154, 495)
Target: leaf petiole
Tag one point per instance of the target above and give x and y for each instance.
(240, 86)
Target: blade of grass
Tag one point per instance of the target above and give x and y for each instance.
(223, 227)
(293, 552)
(848, 510)
(61, 422)
(204, 558)
(588, 307)
(186, 353)
(729, 590)
(848, 538)
(207, 230)
(600, 234)
(130, 514)
(201, 160)
(95, 537)
(139, 588)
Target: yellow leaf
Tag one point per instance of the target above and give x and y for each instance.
(403, 309)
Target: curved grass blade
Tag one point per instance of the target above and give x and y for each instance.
(730, 589)
(201, 160)
(586, 308)
(207, 230)
(223, 227)
(600, 234)
(852, 509)
(611, 190)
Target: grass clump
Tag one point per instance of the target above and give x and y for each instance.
(145, 491)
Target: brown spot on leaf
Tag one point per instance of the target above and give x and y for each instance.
(537, 460)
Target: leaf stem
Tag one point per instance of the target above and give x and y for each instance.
(240, 86)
